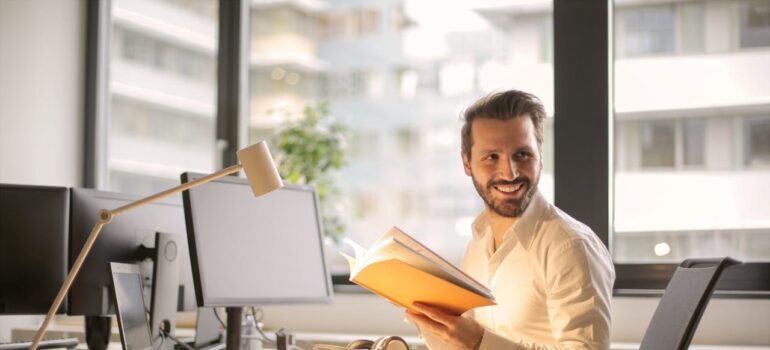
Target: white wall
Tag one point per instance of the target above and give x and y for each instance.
(42, 55)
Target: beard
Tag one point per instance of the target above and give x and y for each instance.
(507, 207)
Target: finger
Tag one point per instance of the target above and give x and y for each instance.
(425, 322)
(436, 313)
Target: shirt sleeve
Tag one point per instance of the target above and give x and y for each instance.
(492, 341)
(578, 283)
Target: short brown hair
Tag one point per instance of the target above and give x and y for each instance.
(504, 105)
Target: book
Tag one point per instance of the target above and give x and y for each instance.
(403, 271)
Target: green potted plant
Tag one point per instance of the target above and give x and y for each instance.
(309, 151)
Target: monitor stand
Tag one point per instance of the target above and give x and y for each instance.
(207, 328)
(234, 316)
(98, 330)
(165, 286)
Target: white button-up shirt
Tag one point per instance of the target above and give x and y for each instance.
(552, 280)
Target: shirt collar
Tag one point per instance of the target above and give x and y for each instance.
(523, 228)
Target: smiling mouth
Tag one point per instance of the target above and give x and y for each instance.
(508, 189)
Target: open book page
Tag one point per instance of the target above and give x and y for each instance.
(394, 244)
(360, 253)
(399, 251)
(416, 246)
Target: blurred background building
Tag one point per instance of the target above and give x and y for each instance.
(691, 96)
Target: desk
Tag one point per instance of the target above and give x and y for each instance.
(304, 339)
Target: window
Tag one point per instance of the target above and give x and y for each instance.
(683, 160)
(399, 76)
(651, 143)
(757, 133)
(694, 142)
(754, 24)
(351, 23)
(661, 29)
(658, 144)
(665, 110)
(162, 94)
(691, 27)
(649, 30)
(348, 84)
(364, 144)
(408, 139)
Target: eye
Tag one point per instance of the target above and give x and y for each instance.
(492, 156)
(523, 155)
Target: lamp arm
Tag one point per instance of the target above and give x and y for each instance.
(185, 186)
(67, 283)
(103, 217)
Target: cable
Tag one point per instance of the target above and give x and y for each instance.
(257, 319)
(181, 343)
(218, 318)
(162, 340)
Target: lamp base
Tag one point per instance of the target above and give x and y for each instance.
(234, 316)
(98, 331)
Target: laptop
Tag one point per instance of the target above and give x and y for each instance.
(129, 305)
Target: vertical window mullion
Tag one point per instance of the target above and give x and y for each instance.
(583, 122)
(97, 103)
(233, 79)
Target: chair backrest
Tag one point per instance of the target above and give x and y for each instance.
(681, 307)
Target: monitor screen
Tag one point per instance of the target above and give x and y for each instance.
(121, 241)
(132, 317)
(248, 250)
(33, 247)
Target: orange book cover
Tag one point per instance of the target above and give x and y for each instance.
(403, 271)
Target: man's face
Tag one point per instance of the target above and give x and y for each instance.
(505, 163)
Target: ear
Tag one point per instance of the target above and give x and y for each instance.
(466, 164)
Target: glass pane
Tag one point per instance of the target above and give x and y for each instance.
(692, 149)
(755, 24)
(692, 39)
(694, 134)
(162, 93)
(397, 77)
(657, 144)
(757, 133)
(648, 30)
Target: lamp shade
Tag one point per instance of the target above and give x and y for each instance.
(259, 168)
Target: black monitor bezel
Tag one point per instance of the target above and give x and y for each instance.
(59, 266)
(77, 307)
(193, 247)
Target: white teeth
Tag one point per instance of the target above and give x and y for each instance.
(508, 188)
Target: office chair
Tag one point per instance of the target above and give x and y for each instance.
(681, 307)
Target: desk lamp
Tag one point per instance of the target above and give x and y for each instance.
(261, 174)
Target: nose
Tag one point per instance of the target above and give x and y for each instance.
(508, 170)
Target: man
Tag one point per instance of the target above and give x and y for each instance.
(550, 275)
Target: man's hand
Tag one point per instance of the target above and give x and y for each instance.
(457, 331)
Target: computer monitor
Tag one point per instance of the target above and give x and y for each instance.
(129, 305)
(248, 250)
(129, 238)
(34, 222)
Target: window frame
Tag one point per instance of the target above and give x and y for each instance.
(583, 56)
(232, 85)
